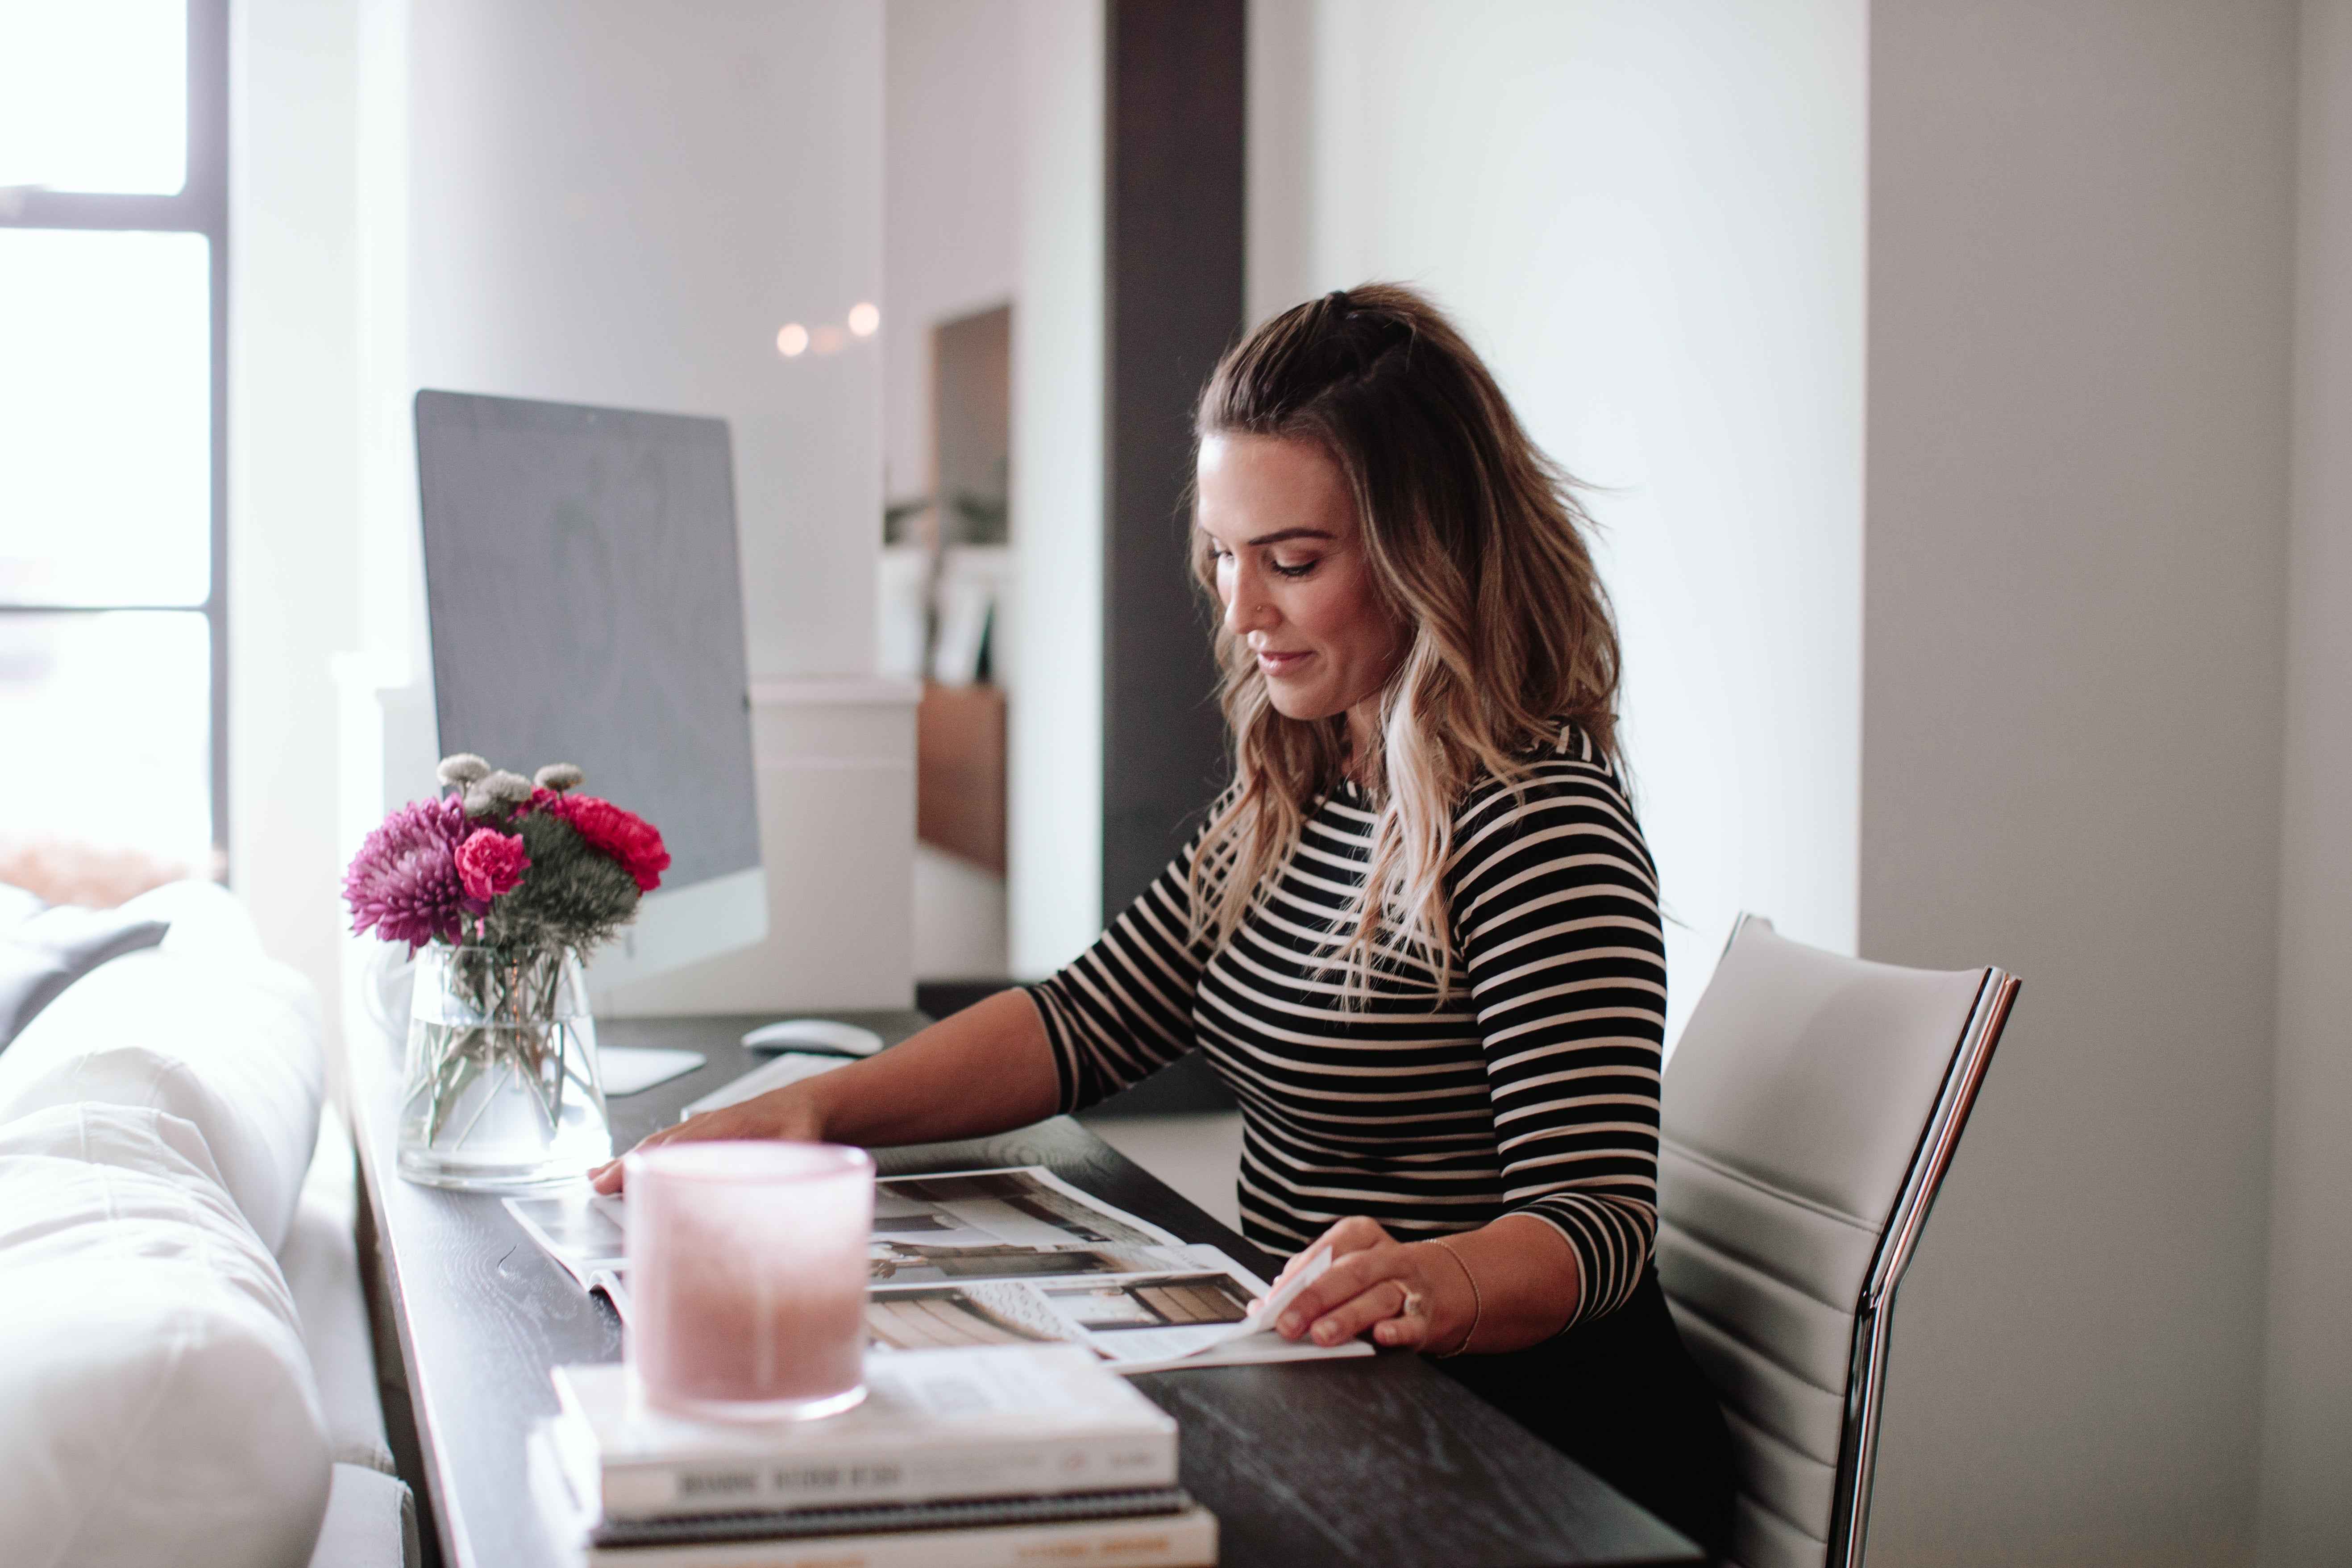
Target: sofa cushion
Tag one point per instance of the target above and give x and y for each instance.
(204, 1028)
(18, 905)
(205, 918)
(371, 1522)
(159, 1406)
(320, 1262)
(47, 950)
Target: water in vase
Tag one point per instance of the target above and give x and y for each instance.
(502, 1087)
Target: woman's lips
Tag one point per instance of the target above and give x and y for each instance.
(1281, 663)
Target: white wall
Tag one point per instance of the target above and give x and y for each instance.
(835, 765)
(2080, 270)
(294, 557)
(1054, 656)
(2306, 1515)
(612, 202)
(951, 206)
(952, 222)
(960, 909)
(1650, 219)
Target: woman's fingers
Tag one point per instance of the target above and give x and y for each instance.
(1375, 1285)
(1350, 1234)
(771, 1115)
(1351, 1275)
(608, 1176)
(1387, 1301)
(1410, 1330)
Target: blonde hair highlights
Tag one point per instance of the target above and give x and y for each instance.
(1477, 544)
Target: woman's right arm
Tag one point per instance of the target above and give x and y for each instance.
(1122, 1010)
(985, 1069)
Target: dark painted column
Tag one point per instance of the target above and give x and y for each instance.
(1174, 114)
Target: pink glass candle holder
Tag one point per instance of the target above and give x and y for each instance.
(747, 1275)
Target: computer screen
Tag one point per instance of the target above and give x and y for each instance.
(585, 606)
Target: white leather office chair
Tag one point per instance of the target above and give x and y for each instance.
(1810, 1112)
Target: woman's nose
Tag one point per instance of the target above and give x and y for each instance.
(1243, 612)
(1246, 607)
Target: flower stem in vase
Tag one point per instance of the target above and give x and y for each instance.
(494, 1034)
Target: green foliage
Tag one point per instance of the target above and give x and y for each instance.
(573, 896)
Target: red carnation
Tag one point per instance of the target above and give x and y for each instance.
(622, 836)
(490, 863)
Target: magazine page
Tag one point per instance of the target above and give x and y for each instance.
(1016, 1222)
(1138, 1322)
(577, 1228)
(1004, 1256)
(976, 1216)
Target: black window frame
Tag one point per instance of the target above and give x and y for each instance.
(200, 206)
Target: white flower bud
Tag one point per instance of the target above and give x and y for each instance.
(499, 792)
(560, 776)
(462, 769)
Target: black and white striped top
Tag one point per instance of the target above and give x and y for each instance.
(1528, 1084)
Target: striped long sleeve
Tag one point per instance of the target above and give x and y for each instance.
(1555, 910)
(1523, 1080)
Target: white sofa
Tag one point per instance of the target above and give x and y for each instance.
(190, 1377)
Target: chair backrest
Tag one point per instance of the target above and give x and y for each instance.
(1810, 1111)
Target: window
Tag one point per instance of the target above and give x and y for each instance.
(113, 313)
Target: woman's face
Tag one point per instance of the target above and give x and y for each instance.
(1292, 574)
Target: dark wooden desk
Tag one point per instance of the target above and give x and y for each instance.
(1380, 1461)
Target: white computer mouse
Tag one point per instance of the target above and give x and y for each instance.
(822, 1034)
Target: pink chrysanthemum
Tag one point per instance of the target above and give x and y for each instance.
(490, 863)
(622, 836)
(403, 882)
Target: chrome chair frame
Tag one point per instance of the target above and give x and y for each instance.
(1874, 1313)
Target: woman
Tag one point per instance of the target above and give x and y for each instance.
(1418, 935)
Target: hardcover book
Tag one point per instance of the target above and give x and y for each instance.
(889, 1518)
(1183, 1540)
(997, 1422)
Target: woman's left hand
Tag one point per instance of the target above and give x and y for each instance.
(1412, 1295)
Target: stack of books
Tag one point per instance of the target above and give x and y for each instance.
(999, 1458)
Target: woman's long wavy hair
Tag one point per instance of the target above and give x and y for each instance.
(1477, 545)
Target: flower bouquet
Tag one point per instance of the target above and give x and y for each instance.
(497, 887)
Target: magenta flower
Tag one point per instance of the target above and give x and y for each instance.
(490, 863)
(404, 883)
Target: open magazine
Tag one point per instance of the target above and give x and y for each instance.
(1002, 1257)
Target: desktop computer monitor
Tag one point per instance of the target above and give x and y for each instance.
(585, 604)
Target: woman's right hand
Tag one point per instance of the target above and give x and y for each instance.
(988, 1068)
(789, 1114)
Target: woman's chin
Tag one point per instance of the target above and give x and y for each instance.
(1303, 705)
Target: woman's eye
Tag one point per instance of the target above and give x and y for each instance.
(1293, 568)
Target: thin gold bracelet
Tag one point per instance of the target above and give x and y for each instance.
(1477, 1301)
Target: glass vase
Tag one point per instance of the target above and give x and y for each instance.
(502, 1090)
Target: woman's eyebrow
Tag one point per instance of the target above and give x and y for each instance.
(1281, 535)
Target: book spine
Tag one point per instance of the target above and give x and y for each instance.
(667, 1489)
(1186, 1539)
